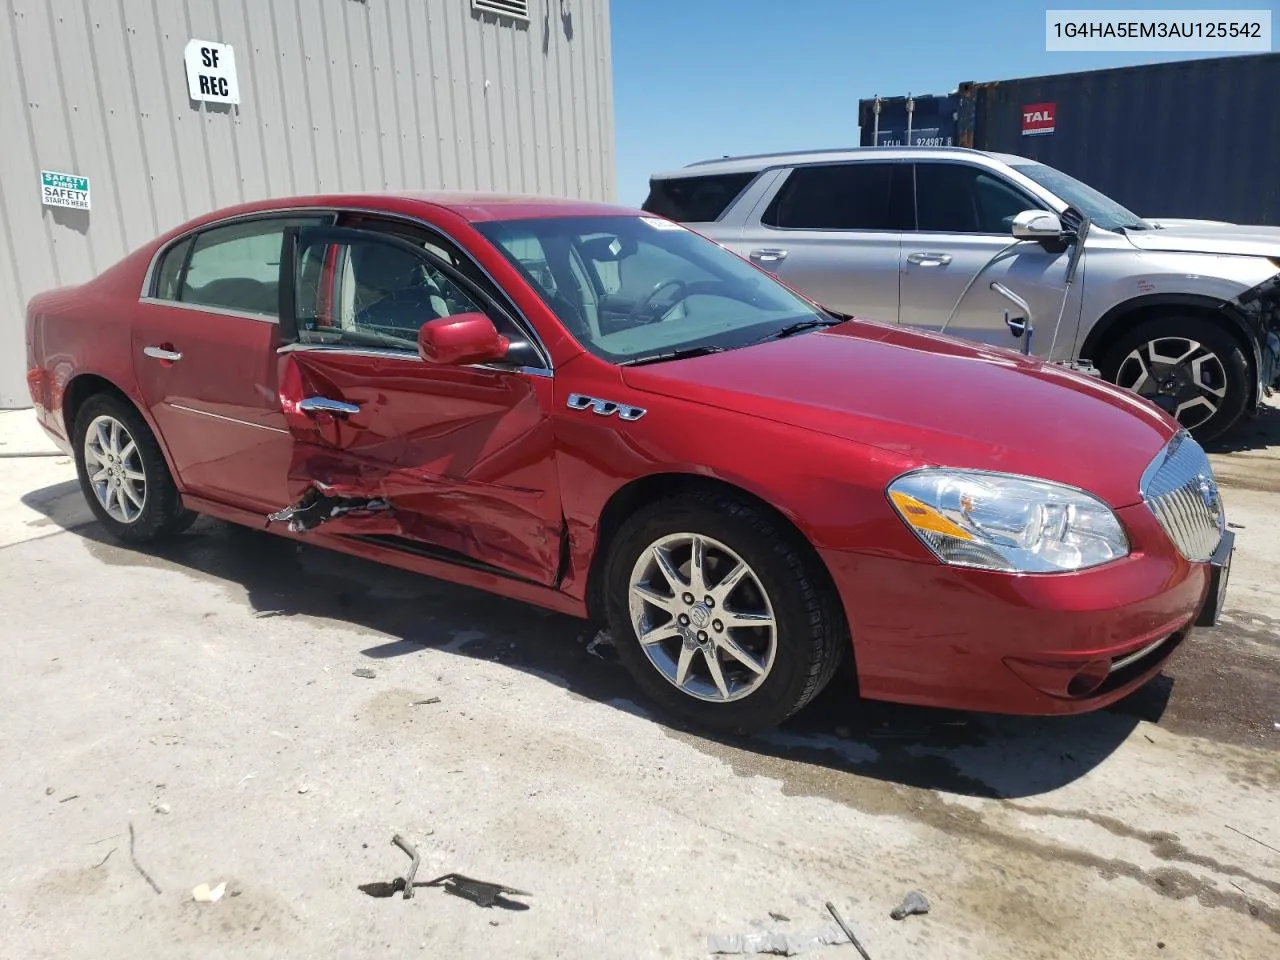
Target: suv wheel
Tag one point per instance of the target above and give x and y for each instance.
(718, 616)
(1191, 368)
(123, 474)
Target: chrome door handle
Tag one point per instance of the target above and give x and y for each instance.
(770, 255)
(326, 405)
(930, 259)
(161, 353)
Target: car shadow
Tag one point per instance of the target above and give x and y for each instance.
(1250, 433)
(968, 754)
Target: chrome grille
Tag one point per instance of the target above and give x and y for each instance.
(1180, 490)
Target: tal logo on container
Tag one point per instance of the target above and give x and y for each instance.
(1037, 118)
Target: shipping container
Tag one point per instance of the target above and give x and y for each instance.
(900, 121)
(1188, 139)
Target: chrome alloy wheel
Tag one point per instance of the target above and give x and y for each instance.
(114, 466)
(1178, 374)
(702, 617)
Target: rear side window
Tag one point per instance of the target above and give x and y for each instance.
(696, 199)
(844, 196)
(234, 267)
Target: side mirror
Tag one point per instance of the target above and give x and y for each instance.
(461, 339)
(1037, 225)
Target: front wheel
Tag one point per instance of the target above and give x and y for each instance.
(1191, 368)
(718, 615)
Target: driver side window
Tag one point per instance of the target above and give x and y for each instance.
(369, 291)
(959, 198)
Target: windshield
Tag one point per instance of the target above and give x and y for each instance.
(1101, 210)
(633, 287)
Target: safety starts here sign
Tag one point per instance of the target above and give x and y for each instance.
(64, 190)
(211, 72)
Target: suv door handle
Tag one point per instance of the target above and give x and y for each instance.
(311, 405)
(768, 255)
(165, 352)
(929, 259)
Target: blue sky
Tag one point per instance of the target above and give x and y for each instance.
(695, 79)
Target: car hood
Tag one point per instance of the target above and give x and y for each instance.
(1207, 236)
(932, 400)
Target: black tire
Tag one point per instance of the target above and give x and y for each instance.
(1234, 366)
(811, 637)
(162, 512)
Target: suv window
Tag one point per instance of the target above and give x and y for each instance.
(844, 196)
(233, 267)
(696, 199)
(958, 198)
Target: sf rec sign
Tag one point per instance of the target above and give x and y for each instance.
(211, 72)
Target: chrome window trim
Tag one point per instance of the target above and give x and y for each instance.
(507, 302)
(391, 353)
(219, 311)
(218, 416)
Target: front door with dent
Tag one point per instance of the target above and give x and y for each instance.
(459, 458)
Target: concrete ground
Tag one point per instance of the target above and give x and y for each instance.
(189, 715)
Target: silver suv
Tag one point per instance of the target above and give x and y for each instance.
(1007, 251)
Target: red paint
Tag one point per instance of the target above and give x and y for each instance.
(493, 467)
(1038, 118)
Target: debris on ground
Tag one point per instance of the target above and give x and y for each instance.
(206, 894)
(74, 796)
(601, 639)
(49, 791)
(1261, 843)
(848, 932)
(915, 902)
(161, 808)
(774, 942)
(425, 703)
(407, 880)
(137, 866)
(104, 859)
(305, 788)
(364, 673)
(479, 891)
(780, 917)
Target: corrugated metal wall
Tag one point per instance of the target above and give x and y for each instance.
(335, 95)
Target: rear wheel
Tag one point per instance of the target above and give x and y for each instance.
(1191, 368)
(718, 614)
(123, 474)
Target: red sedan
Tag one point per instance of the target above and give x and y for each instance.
(603, 413)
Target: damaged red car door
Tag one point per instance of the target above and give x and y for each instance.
(452, 459)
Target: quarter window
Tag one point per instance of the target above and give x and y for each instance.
(695, 199)
(844, 196)
(957, 198)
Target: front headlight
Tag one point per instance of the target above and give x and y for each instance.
(995, 521)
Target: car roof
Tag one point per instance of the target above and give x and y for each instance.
(476, 207)
(762, 161)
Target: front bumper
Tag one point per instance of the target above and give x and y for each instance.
(941, 636)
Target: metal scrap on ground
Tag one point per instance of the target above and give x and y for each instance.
(404, 845)
(848, 932)
(137, 866)
(914, 902)
(478, 891)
